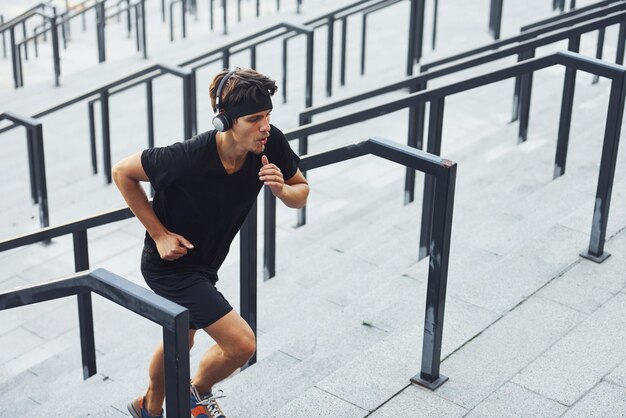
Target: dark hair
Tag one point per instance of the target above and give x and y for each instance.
(243, 85)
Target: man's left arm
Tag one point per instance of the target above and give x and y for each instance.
(293, 192)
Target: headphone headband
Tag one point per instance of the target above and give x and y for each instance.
(218, 93)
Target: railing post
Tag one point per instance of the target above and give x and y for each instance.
(225, 58)
(211, 14)
(144, 36)
(85, 311)
(92, 138)
(565, 120)
(435, 13)
(225, 16)
(344, 35)
(303, 149)
(309, 70)
(25, 43)
(20, 71)
(172, 22)
(610, 146)
(188, 106)
(56, 59)
(253, 57)
(435, 124)
(364, 33)
(269, 228)
(137, 28)
(100, 22)
(329, 55)
(106, 134)
(495, 18)
(599, 49)
(412, 40)
(437, 280)
(621, 42)
(525, 92)
(150, 110)
(176, 353)
(247, 278)
(40, 173)
(14, 57)
(415, 139)
(517, 94)
(285, 69)
(417, 55)
(30, 150)
(183, 6)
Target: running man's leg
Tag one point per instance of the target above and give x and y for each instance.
(235, 344)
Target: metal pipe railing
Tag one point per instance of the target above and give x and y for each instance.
(172, 317)
(436, 99)
(36, 162)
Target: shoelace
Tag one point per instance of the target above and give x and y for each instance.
(207, 398)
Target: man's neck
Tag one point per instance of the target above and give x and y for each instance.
(230, 154)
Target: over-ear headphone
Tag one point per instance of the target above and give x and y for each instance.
(221, 121)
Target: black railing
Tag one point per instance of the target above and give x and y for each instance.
(442, 170)
(474, 58)
(328, 20)
(530, 40)
(172, 317)
(142, 77)
(36, 162)
(571, 13)
(42, 10)
(53, 21)
(416, 31)
(469, 60)
(443, 173)
(191, 7)
(281, 30)
(436, 98)
(146, 76)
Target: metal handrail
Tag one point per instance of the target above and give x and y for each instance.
(328, 20)
(172, 317)
(419, 82)
(566, 15)
(444, 171)
(39, 10)
(436, 97)
(62, 20)
(36, 162)
(565, 21)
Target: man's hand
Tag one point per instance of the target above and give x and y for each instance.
(172, 246)
(271, 176)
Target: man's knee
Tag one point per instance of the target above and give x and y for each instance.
(242, 349)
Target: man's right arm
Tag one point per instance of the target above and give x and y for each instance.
(127, 174)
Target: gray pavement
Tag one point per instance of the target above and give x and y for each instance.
(531, 328)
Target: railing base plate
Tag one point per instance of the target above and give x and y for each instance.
(597, 259)
(430, 385)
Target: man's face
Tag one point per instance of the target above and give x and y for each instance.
(251, 131)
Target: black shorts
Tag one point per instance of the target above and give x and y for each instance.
(195, 291)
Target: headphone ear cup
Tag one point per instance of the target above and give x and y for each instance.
(222, 122)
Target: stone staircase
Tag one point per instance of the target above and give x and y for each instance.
(340, 326)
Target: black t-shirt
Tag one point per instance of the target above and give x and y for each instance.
(195, 197)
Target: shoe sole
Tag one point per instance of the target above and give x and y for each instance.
(133, 411)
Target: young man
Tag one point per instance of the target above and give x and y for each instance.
(204, 189)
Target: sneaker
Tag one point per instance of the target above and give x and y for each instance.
(137, 410)
(205, 405)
